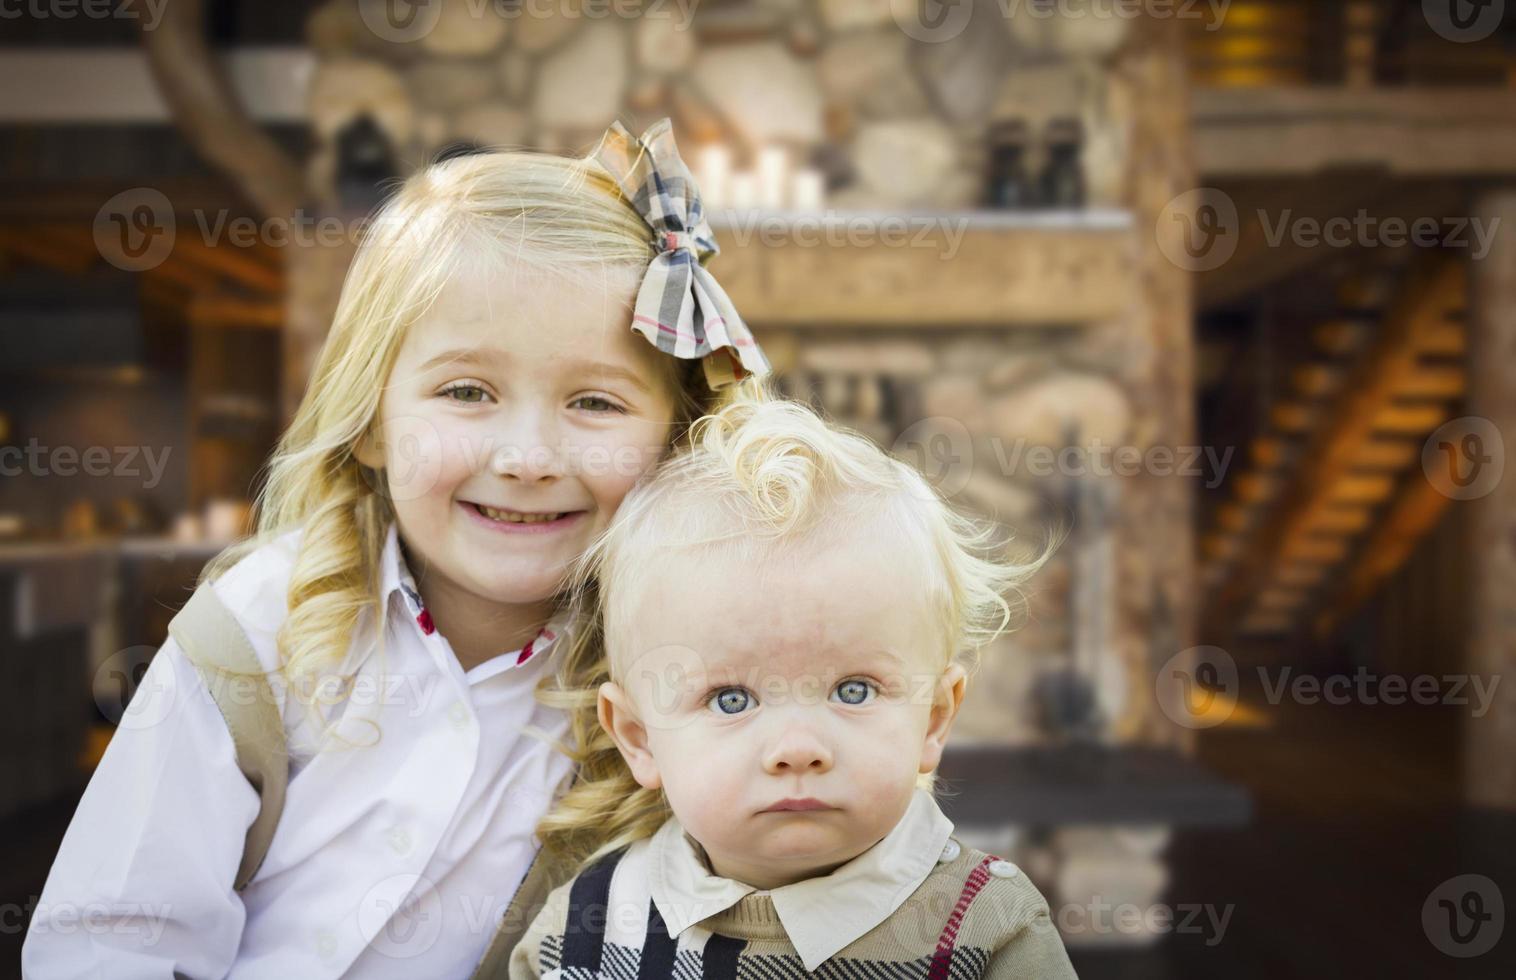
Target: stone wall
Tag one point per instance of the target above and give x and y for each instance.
(974, 409)
(891, 111)
(895, 114)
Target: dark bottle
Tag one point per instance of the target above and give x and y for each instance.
(1009, 184)
(1061, 184)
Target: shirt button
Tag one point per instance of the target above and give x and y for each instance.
(1004, 869)
(326, 943)
(458, 714)
(949, 852)
(400, 840)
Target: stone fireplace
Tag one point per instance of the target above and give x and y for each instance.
(1002, 349)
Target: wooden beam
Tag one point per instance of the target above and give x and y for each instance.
(1435, 381)
(1304, 575)
(255, 268)
(1415, 511)
(235, 312)
(1401, 419)
(1346, 519)
(208, 112)
(1303, 130)
(1386, 454)
(970, 269)
(35, 244)
(1489, 764)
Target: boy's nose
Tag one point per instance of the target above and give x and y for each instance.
(797, 749)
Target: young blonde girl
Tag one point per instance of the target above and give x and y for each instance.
(497, 376)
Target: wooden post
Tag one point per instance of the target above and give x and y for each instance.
(1150, 76)
(1490, 741)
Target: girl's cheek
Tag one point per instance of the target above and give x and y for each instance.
(415, 456)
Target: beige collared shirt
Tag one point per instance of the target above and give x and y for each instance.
(821, 916)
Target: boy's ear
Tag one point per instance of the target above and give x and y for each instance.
(946, 700)
(618, 717)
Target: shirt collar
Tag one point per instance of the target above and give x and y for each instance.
(821, 915)
(395, 576)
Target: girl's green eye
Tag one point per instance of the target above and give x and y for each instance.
(599, 404)
(854, 692)
(466, 393)
(731, 701)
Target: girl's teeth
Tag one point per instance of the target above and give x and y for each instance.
(513, 517)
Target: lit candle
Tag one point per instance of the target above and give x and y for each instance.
(715, 170)
(771, 173)
(744, 191)
(808, 189)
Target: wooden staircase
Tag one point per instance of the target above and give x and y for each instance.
(1332, 496)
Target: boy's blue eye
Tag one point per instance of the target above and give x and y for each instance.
(854, 692)
(731, 701)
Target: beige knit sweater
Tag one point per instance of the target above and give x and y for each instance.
(964, 921)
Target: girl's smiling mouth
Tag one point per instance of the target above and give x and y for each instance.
(517, 521)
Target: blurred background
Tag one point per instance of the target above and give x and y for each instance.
(1227, 288)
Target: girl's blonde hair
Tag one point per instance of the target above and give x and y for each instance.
(560, 217)
(758, 477)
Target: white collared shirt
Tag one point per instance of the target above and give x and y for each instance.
(396, 853)
(821, 916)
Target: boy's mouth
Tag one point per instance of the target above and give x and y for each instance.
(798, 806)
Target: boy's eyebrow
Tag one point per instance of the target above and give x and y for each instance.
(736, 663)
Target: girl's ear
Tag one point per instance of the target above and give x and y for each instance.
(618, 716)
(946, 701)
(368, 451)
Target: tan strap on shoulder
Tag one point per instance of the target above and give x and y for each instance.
(215, 643)
(542, 877)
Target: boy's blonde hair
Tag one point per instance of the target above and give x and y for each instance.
(760, 478)
(561, 218)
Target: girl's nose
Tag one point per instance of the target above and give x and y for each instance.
(797, 749)
(527, 451)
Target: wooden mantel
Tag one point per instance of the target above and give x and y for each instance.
(927, 269)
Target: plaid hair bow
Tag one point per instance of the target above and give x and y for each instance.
(680, 308)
